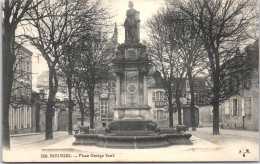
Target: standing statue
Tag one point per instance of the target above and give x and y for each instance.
(131, 24)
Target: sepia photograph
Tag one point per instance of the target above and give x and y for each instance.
(130, 81)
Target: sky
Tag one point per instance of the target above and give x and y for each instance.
(118, 8)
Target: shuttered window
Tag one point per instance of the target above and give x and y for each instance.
(248, 105)
(227, 107)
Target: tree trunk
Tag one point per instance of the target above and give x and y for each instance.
(215, 103)
(70, 110)
(91, 108)
(48, 118)
(178, 103)
(170, 108)
(82, 114)
(192, 103)
(81, 105)
(8, 61)
(50, 104)
(216, 118)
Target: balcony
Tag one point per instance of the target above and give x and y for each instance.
(159, 104)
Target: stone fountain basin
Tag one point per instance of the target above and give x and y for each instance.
(133, 142)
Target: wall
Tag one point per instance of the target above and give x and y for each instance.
(206, 116)
(250, 120)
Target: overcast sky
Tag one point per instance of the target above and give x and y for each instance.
(118, 8)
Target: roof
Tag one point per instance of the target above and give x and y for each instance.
(155, 80)
(23, 49)
(244, 61)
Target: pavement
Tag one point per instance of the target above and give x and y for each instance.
(36, 140)
(230, 145)
(226, 135)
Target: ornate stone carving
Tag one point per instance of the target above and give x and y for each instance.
(131, 88)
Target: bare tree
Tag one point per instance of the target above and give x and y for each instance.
(190, 48)
(222, 25)
(13, 14)
(165, 57)
(80, 91)
(93, 64)
(84, 19)
(67, 65)
(49, 21)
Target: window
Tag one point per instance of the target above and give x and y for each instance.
(226, 107)
(153, 98)
(165, 96)
(159, 114)
(236, 82)
(198, 98)
(187, 84)
(96, 118)
(103, 107)
(111, 87)
(248, 105)
(165, 113)
(29, 117)
(159, 96)
(22, 117)
(15, 118)
(234, 107)
(19, 118)
(154, 114)
(247, 81)
(28, 66)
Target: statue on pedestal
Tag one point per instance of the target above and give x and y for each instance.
(131, 24)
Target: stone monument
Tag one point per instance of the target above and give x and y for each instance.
(132, 126)
(131, 67)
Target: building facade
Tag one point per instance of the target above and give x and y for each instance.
(60, 118)
(241, 110)
(21, 115)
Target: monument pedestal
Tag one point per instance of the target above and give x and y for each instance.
(131, 68)
(123, 113)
